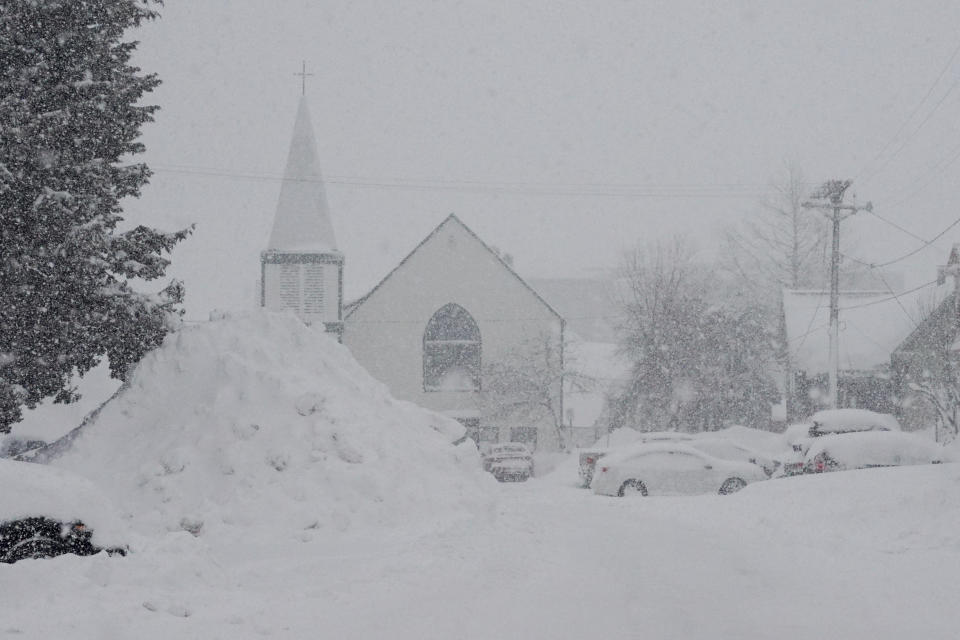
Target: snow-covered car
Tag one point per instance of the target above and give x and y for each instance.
(834, 421)
(791, 463)
(512, 469)
(865, 449)
(589, 457)
(724, 449)
(829, 422)
(509, 461)
(47, 512)
(671, 469)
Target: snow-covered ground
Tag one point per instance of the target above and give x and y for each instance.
(273, 489)
(867, 554)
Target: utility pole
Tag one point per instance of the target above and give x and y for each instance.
(830, 197)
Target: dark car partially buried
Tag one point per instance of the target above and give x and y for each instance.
(46, 512)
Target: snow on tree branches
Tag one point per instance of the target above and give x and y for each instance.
(69, 123)
(699, 363)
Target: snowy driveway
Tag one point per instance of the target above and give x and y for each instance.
(862, 555)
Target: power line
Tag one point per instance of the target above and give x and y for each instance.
(735, 191)
(914, 112)
(896, 297)
(912, 253)
(935, 171)
(430, 180)
(882, 300)
(898, 227)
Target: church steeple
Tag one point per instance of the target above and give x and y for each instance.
(302, 220)
(301, 268)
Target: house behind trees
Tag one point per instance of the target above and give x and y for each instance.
(872, 324)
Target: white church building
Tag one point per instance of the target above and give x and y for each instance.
(436, 326)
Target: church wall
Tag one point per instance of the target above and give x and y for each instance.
(385, 333)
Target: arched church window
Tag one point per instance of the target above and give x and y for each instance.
(451, 351)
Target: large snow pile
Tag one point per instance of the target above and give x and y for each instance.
(260, 421)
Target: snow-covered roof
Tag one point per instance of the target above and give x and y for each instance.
(872, 324)
(302, 221)
(601, 368)
(587, 304)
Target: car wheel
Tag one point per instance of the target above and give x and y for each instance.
(35, 547)
(732, 485)
(632, 488)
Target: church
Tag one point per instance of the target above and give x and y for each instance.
(452, 328)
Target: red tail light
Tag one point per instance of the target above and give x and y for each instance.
(603, 469)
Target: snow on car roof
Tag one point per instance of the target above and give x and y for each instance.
(644, 448)
(34, 490)
(839, 420)
(756, 439)
(874, 448)
(626, 436)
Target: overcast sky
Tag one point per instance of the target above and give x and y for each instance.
(561, 132)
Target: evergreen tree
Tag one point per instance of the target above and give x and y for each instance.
(69, 123)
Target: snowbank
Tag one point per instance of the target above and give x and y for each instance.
(260, 421)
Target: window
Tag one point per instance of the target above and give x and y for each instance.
(489, 434)
(524, 434)
(451, 351)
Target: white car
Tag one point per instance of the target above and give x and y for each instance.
(589, 457)
(671, 469)
(865, 449)
(47, 512)
(724, 449)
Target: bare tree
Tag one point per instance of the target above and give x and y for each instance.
(781, 245)
(525, 386)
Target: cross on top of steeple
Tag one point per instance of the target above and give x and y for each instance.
(303, 78)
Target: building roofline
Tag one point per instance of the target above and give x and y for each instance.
(356, 304)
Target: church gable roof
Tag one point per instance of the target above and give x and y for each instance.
(302, 220)
(451, 219)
